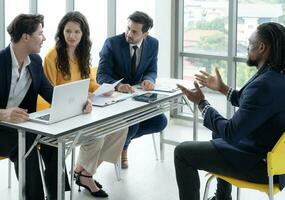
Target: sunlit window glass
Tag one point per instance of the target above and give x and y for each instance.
(206, 26)
(52, 13)
(12, 9)
(97, 20)
(243, 74)
(127, 7)
(264, 11)
(192, 66)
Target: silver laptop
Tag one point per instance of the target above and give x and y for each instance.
(68, 100)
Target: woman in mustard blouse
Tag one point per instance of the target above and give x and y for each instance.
(70, 61)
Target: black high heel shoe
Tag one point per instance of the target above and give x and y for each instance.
(75, 174)
(99, 193)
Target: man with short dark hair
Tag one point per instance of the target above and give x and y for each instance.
(133, 57)
(242, 142)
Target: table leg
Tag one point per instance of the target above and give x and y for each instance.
(72, 173)
(60, 170)
(22, 163)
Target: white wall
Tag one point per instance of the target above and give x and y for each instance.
(163, 34)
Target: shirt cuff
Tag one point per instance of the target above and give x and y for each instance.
(203, 107)
(229, 94)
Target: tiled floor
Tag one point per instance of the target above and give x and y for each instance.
(146, 178)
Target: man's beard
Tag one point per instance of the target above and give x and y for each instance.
(251, 62)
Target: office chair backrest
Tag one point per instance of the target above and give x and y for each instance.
(276, 158)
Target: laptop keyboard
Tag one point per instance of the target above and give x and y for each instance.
(44, 117)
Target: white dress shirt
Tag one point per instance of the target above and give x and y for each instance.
(20, 81)
(138, 52)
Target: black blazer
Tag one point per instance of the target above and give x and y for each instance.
(40, 85)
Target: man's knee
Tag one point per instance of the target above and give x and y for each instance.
(162, 123)
(180, 150)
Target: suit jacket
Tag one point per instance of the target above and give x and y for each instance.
(256, 126)
(40, 85)
(115, 61)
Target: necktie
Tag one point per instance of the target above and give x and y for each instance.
(133, 62)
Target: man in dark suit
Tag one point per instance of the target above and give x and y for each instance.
(21, 80)
(133, 57)
(241, 143)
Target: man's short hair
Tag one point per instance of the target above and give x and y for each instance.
(24, 23)
(142, 18)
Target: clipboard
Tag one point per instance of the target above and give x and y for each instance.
(102, 101)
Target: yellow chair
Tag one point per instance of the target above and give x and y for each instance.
(9, 171)
(42, 104)
(275, 166)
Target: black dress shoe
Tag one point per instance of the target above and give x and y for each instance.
(75, 174)
(99, 193)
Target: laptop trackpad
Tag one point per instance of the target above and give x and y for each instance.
(44, 117)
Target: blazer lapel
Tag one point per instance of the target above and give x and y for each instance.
(126, 58)
(7, 66)
(143, 57)
(33, 74)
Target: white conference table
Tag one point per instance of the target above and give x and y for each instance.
(67, 134)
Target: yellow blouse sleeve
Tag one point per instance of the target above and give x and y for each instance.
(93, 83)
(50, 68)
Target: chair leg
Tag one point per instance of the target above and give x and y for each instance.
(271, 195)
(206, 191)
(9, 173)
(238, 193)
(118, 169)
(161, 138)
(41, 165)
(154, 146)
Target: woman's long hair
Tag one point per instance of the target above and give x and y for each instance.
(82, 51)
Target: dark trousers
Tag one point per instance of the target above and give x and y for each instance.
(189, 157)
(34, 187)
(152, 125)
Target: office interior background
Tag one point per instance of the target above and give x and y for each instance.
(193, 35)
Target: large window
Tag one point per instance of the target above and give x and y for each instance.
(212, 34)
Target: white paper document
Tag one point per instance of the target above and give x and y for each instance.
(108, 100)
(106, 87)
(169, 85)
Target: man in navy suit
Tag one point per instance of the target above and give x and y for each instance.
(241, 143)
(132, 56)
(21, 80)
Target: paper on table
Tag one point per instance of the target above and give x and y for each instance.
(115, 97)
(106, 87)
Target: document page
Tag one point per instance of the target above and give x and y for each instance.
(115, 97)
(106, 87)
